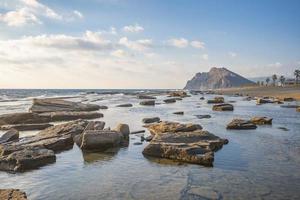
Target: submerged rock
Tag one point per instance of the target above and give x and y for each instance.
(26, 159)
(178, 113)
(12, 194)
(147, 103)
(55, 105)
(261, 120)
(203, 116)
(241, 124)
(223, 107)
(289, 106)
(149, 120)
(26, 127)
(145, 97)
(9, 136)
(125, 105)
(166, 126)
(190, 145)
(170, 100)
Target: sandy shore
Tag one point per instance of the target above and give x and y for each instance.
(260, 91)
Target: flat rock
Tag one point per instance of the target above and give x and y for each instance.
(71, 115)
(216, 100)
(23, 118)
(261, 120)
(145, 97)
(263, 101)
(125, 105)
(203, 116)
(170, 100)
(148, 103)
(241, 124)
(26, 159)
(223, 107)
(166, 126)
(12, 194)
(151, 120)
(26, 127)
(9, 136)
(55, 105)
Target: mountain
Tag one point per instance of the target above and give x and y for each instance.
(216, 78)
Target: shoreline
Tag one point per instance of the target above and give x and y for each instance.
(261, 91)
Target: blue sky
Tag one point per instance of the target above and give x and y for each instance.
(143, 44)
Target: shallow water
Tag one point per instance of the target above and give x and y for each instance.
(256, 164)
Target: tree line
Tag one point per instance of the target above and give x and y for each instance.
(281, 79)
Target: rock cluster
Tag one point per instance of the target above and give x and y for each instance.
(249, 124)
(181, 94)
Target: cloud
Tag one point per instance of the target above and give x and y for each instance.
(133, 28)
(119, 53)
(276, 64)
(138, 45)
(197, 44)
(78, 14)
(232, 54)
(178, 42)
(19, 17)
(40, 9)
(205, 56)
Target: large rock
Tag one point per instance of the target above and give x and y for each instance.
(55, 105)
(9, 136)
(165, 126)
(216, 100)
(223, 107)
(71, 115)
(261, 120)
(149, 120)
(148, 103)
(25, 127)
(124, 129)
(145, 97)
(192, 146)
(12, 194)
(241, 124)
(26, 159)
(23, 118)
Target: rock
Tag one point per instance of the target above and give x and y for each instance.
(9, 136)
(26, 127)
(125, 105)
(100, 140)
(192, 147)
(137, 143)
(203, 116)
(216, 100)
(148, 103)
(248, 98)
(149, 138)
(103, 107)
(55, 105)
(178, 94)
(241, 124)
(289, 106)
(137, 132)
(23, 118)
(178, 113)
(151, 120)
(202, 98)
(261, 120)
(289, 99)
(263, 101)
(67, 115)
(166, 126)
(223, 107)
(145, 97)
(12, 194)
(26, 159)
(124, 129)
(283, 128)
(170, 100)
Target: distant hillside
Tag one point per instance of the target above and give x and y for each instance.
(216, 78)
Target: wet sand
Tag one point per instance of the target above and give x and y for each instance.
(260, 91)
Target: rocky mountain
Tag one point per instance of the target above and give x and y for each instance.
(216, 78)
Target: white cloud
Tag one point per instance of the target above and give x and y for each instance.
(133, 28)
(138, 45)
(19, 18)
(197, 44)
(178, 42)
(78, 14)
(276, 64)
(119, 53)
(205, 56)
(232, 54)
(41, 9)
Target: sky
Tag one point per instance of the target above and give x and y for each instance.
(108, 44)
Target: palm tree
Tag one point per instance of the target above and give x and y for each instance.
(297, 75)
(274, 78)
(282, 80)
(267, 81)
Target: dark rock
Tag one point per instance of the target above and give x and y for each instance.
(55, 105)
(170, 100)
(283, 128)
(223, 107)
(12, 194)
(203, 116)
(67, 115)
(9, 136)
(148, 103)
(241, 124)
(125, 105)
(137, 143)
(149, 138)
(178, 113)
(145, 97)
(26, 159)
(289, 106)
(23, 118)
(202, 98)
(137, 132)
(103, 107)
(26, 127)
(151, 120)
(288, 99)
